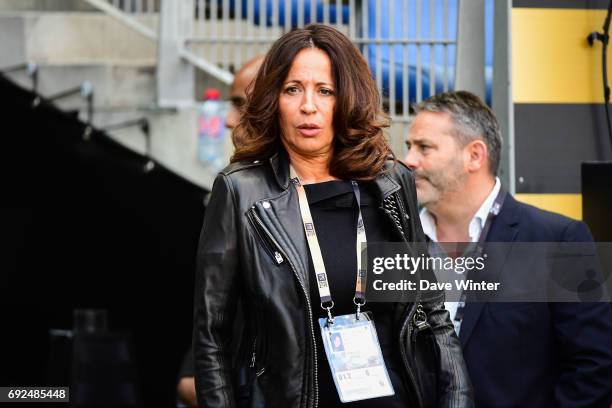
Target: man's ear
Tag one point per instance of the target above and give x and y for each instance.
(478, 155)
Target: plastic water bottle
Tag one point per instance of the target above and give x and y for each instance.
(211, 129)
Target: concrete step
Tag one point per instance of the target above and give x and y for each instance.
(115, 87)
(174, 140)
(74, 39)
(72, 5)
(174, 133)
(70, 48)
(44, 5)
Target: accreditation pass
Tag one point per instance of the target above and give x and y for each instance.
(354, 356)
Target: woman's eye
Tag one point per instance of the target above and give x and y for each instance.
(291, 90)
(326, 91)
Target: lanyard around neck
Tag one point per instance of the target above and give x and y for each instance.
(493, 212)
(327, 302)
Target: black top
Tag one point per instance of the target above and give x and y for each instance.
(186, 369)
(334, 211)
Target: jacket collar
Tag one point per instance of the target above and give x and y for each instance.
(280, 167)
(505, 227)
(279, 163)
(385, 183)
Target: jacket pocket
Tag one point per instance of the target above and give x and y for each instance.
(264, 237)
(251, 394)
(258, 363)
(260, 345)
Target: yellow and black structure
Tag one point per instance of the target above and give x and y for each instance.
(557, 91)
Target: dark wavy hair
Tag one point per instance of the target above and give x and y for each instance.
(360, 146)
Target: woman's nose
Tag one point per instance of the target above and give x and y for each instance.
(308, 103)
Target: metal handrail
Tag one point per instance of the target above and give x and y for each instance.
(145, 127)
(30, 68)
(86, 91)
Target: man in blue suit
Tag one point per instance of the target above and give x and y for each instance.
(518, 354)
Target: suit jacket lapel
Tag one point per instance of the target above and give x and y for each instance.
(503, 229)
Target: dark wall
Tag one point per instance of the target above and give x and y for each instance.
(84, 226)
(552, 140)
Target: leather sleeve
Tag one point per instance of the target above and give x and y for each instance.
(216, 294)
(454, 385)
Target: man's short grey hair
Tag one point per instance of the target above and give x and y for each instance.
(472, 118)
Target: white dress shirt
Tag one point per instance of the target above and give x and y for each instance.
(475, 228)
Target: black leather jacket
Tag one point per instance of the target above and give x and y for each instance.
(253, 247)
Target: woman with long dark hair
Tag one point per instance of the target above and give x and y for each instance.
(312, 179)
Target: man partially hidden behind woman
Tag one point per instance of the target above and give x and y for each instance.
(312, 178)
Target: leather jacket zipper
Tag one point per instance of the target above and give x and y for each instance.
(276, 249)
(419, 319)
(253, 356)
(265, 237)
(262, 350)
(254, 360)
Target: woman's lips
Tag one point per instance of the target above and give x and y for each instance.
(309, 132)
